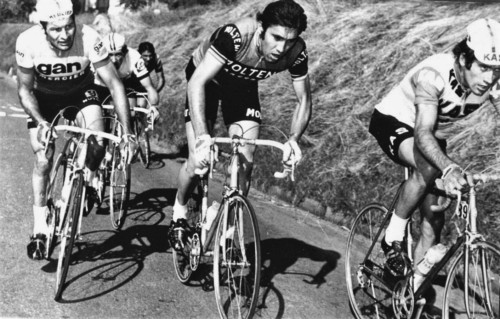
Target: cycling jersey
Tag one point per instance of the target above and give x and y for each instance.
(157, 66)
(432, 81)
(237, 46)
(131, 70)
(60, 72)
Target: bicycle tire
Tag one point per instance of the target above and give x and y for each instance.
(237, 283)
(68, 232)
(119, 189)
(54, 189)
(369, 296)
(476, 288)
(144, 151)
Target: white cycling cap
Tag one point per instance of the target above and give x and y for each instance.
(483, 36)
(54, 10)
(114, 42)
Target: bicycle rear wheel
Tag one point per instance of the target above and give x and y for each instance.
(68, 232)
(143, 140)
(473, 284)
(119, 189)
(237, 260)
(369, 294)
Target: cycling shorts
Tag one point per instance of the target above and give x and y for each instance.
(390, 133)
(51, 104)
(238, 98)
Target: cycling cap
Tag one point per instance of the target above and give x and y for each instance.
(54, 10)
(483, 36)
(114, 42)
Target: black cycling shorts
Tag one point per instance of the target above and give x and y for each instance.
(51, 104)
(390, 133)
(238, 98)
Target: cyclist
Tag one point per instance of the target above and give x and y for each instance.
(153, 62)
(132, 70)
(226, 68)
(53, 61)
(413, 121)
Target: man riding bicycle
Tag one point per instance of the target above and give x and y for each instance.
(54, 60)
(225, 69)
(413, 121)
(133, 72)
(153, 63)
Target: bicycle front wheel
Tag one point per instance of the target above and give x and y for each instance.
(473, 284)
(143, 140)
(237, 260)
(68, 232)
(119, 189)
(54, 191)
(369, 294)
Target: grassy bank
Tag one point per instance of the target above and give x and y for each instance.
(358, 52)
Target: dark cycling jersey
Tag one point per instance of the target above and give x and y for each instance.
(237, 46)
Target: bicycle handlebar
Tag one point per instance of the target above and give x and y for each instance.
(135, 109)
(241, 141)
(87, 132)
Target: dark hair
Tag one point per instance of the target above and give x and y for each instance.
(146, 46)
(44, 23)
(285, 13)
(462, 48)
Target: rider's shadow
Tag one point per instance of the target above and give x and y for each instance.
(278, 254)
(148, 206)
(117, 258)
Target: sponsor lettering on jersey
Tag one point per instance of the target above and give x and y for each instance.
(242, 71)
(455, 85)
(301, 58)
(20, 53)
(235, 35)
(58, 68)
(98, 47)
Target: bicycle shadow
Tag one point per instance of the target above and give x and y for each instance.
(279, 254)
(118, 258)
(147, 207)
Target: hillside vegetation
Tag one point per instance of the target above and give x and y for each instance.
(358, 51)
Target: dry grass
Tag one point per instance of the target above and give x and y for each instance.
(358, 51)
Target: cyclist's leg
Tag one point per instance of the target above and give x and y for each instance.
(247, 129)
(40, 178)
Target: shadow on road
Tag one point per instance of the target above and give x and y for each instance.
(278, 254)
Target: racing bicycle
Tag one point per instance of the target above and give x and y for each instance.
(232, 239)
(66, 192)
(472, 287)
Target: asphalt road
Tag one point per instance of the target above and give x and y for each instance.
(129, 273)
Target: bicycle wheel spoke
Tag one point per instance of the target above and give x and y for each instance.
(237, 261)
(473, 287)
(368, 284)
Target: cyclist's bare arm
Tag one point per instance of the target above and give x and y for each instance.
(302, 113)
(161, 80)
(425, 140)
(205, 72)
(25, 85)
(108, 74)
(152, 93)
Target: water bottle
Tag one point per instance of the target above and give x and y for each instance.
(432, 257)
(211, 213)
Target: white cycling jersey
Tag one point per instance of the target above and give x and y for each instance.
(433, 82)
(132, 67)
(60, 72)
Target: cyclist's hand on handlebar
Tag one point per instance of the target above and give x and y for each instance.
(454, 179)
(156, 113)
(43, 130)
(202, 150)
(291, 153)
(129, 144)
